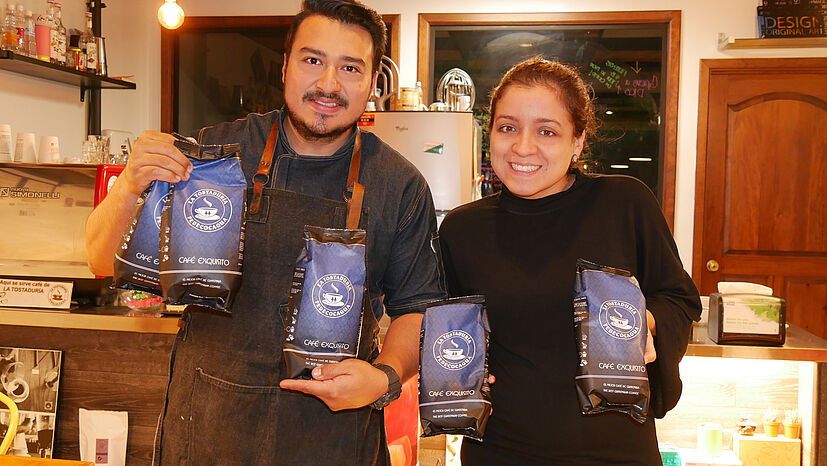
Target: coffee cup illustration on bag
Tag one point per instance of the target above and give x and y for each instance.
(453, 354)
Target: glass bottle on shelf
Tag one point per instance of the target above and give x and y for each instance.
(61, 34)
(43, 36)
(9, 30)
(89, 47)
(31, 45)
(20, 24)
(50, 14)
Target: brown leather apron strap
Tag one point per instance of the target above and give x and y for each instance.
(354, 203)
(262, 176)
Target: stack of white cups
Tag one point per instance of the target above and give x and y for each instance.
(24, 148)
(49, 151)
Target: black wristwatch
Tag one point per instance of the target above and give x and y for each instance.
(394, 387)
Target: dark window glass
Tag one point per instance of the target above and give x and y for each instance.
(225, 69)
(224, 75)
(624, 64)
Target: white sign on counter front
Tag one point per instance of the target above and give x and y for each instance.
(31, 293)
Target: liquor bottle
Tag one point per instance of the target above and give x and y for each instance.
(62, 38)
(89, 47)
(9, 30)
(31, 45)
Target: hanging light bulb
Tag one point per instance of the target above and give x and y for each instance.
(170, 15)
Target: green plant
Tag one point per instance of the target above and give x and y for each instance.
(771, 415)
(791, 416)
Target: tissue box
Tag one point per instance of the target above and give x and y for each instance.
(760, 450)
(747, 319)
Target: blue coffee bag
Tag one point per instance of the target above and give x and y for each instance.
(137, 259)
(610, 330)
(454, 396)
(328, 320)
(202, 229)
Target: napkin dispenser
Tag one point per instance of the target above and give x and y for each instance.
(747, 319)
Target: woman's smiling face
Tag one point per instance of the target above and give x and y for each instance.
(533, 141)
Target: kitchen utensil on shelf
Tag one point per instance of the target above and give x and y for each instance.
(453, 85)
(387, 85)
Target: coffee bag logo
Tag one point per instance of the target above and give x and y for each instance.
(208, 210)
(620, 319)
(159, 207)
(333, 295)
(454, 350)
(57, 295)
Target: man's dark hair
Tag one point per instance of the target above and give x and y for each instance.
(347, 12)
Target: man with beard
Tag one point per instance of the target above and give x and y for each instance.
(227, 401)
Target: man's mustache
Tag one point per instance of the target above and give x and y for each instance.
(313, 95)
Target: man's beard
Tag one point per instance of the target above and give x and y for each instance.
(318, 130)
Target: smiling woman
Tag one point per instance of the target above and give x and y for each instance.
(541, 114)
(530, 237)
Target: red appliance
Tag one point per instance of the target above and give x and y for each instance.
(104, 178)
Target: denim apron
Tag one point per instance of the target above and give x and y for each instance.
(223, 404)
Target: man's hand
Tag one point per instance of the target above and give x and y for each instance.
(349, 384)
(649, 354)
(154, 157)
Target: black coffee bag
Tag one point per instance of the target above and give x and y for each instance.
(137, 260)
(454, 396)
(327, 319)
(202, 229)
(610, 331)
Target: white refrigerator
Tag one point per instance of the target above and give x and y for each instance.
(446, 147)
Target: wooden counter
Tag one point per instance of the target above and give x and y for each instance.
(120, 363)
(110, 362)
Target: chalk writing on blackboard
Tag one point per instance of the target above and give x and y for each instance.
(620, 78)
(638, 87)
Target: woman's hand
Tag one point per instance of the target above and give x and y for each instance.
(649, 355)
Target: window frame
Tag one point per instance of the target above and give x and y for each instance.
(670, 18)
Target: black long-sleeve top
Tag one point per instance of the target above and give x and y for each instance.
(521, 254)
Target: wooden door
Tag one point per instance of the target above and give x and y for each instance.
(761, 181)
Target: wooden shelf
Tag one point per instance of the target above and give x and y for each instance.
(726, 42)
(39, 69)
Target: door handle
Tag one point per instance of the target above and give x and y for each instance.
(712, 265)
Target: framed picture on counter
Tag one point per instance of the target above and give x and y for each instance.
(30, 377)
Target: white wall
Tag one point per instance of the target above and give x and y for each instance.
(133, 41)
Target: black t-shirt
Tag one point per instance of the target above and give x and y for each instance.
(521, 254)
